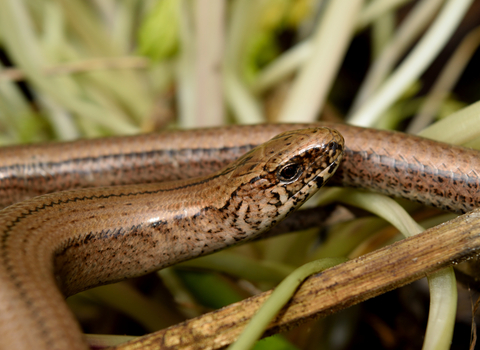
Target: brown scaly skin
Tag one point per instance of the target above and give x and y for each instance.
(74, 240)
(394, 163)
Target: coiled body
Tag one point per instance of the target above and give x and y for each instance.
(65, 242)
(92, 236)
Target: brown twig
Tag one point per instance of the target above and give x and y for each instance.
(334, 289)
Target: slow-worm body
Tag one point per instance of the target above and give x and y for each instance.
(401, 165)
(65, 242)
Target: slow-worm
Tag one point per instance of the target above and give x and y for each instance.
(393, 163)
(69, 241)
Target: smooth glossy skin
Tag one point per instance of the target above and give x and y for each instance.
(69, 241)
(397, 164)
(393, 163)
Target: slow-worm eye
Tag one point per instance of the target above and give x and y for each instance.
(289, 172)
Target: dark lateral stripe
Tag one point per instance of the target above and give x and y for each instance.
(170, 153)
